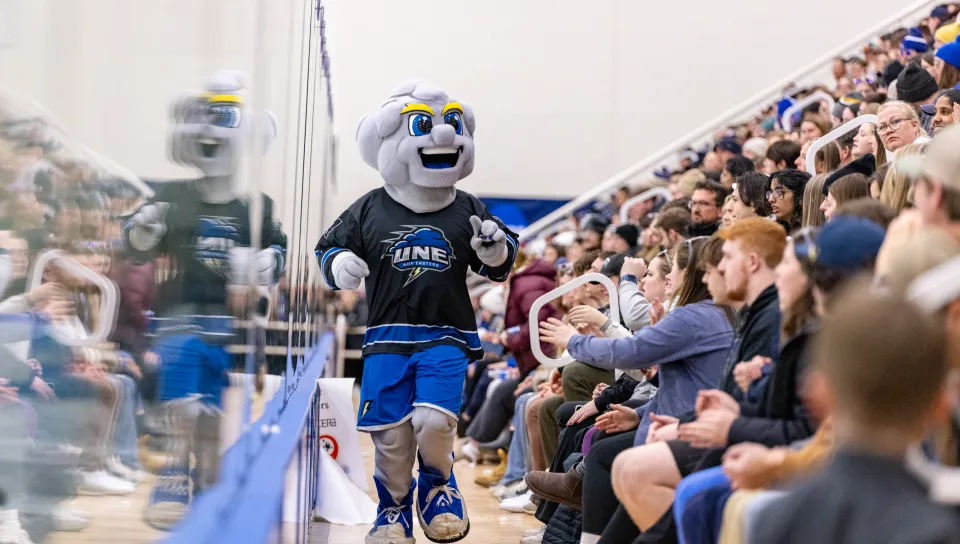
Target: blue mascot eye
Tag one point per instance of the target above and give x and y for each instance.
(453, 119)
(224, 116)
(420, 124)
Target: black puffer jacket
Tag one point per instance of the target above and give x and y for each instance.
(564, 528)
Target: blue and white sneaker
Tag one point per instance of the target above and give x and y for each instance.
(440, 507)
(394, 524)
(169, 500)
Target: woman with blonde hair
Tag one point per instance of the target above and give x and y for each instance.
(812, 198)
(896, 184)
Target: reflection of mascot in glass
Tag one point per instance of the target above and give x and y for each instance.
(413, 240)
(203, 226)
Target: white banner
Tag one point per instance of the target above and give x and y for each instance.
(337, 423)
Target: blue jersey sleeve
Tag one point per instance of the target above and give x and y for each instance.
(343, 235)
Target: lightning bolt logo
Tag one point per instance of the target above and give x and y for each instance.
(414, 275)
(418, 250)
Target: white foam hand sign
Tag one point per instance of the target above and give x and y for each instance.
(148, 225)
(489, 241)
(348, 270)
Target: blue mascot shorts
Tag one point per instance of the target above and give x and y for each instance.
(393, 384)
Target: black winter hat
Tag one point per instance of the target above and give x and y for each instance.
(915, 84)
(629, 233)
(891, 71)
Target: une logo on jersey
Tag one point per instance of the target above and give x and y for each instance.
(418, 250)
(214, 239)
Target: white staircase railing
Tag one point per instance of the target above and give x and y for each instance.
(764, 97)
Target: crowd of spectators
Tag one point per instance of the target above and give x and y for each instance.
(79, 417)
(780, 370)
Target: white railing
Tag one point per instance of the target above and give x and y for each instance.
(786, 120)
(758, 100)
(833, 135)
(534, 319)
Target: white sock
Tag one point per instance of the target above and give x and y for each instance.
(586, 538)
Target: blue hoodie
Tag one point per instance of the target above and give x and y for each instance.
(690, 344)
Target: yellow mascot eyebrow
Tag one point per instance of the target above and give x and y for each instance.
(452, 106)
(225, 98)
(417, 107)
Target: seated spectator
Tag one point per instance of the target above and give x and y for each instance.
(866, 356)
(672, 226)
(780, 156)
(813, 127)
(687, 359)
(812, 199)
(898, 126)
(845, 189)
(705, 208)
(786, 197)
(945, 111)
(750, 196)
(735, 167)
(897, 185)
(916, 87)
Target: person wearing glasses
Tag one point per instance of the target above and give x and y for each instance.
(898, 125)
(706, 206)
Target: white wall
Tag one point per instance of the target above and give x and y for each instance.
(568, 93)
(107, 70)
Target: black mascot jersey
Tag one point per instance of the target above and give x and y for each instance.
(198, 239)
(418, 269)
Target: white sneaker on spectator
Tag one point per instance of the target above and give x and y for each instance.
(69, 519)
(69, 449)
(10, 530)
(471, 452)
(122, 471)
(533, 536)
(100, 483)
(510, 490)
(516, 504)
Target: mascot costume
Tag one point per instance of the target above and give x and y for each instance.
(412, 241)
(203, 227)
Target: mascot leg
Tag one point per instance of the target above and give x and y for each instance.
(170, 497)
(192, 376)
(395, 451)
(440, 506)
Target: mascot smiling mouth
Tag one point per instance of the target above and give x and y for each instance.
(436, 158)
(209, 147)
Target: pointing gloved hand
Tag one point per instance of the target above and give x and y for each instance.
(489, 241)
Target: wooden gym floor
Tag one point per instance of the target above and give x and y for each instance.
(488, 524)
(119, 520)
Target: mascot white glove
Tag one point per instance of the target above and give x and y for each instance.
(347, 270)
(264, 264)
(489, 241)
(148, 225)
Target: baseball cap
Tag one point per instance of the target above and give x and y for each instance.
(845, 243)
(729, 144)
(612, 265)
(940, 162)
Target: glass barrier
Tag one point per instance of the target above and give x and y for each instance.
(169, 276)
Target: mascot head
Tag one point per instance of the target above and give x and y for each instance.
(213, 129)
(419, 136)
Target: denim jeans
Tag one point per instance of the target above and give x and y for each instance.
(698, 505)
(125, 437)
(518, 462)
